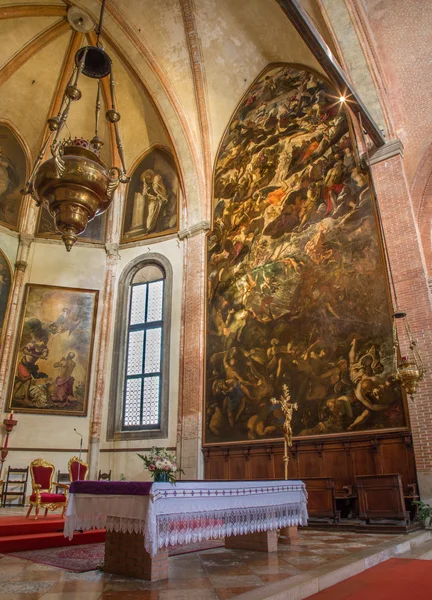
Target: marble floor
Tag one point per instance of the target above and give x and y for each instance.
(216, 574)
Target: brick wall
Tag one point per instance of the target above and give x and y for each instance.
(408, 269)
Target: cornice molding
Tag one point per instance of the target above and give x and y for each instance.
(389, 150)
(194, 230)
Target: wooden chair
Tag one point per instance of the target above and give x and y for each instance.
(381, 497)
(42, 473)
(15, 485)
(104, 476)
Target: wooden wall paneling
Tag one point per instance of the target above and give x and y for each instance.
(309, 463)
(335, 465)
(271, 465)
(394, 459)
(216, 467)
(362, 460)
(259, 464)
(340, 459)
(376, 447)
(237, 467)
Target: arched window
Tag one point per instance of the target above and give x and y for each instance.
(139, 390)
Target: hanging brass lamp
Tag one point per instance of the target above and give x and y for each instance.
(409, 368)
(74, 185)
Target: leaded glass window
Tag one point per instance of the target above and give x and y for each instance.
(143, 373)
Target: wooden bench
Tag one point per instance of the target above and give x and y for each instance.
(381, 497)
(321, 498)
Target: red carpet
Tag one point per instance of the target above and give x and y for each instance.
(19, 533)
(394, 579)
(91, 556)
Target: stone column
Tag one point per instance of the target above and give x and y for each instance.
(192, 363)
(101, 380)
(410, 277)
(11, 322)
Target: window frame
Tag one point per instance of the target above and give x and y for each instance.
(115, 429)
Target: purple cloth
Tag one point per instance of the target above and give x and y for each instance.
(119, 488)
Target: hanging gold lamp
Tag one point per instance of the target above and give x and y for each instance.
(74, 185)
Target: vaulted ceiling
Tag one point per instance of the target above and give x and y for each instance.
(181, 67)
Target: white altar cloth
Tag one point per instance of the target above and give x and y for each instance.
(191, 511)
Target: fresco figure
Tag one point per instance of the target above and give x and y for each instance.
(296, 282)
(149, 203)
(12, 176)
(152, 201)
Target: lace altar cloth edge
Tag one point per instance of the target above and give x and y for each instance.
(193, 511)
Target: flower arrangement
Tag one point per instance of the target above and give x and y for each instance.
(161, 464)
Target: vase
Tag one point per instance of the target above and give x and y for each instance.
(161, 476)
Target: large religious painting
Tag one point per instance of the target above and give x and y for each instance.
(12, 176)
(54, 352)
(5, 286)
(297, 291)
(152, 200)
(94, 233)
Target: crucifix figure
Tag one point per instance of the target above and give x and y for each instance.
(287, 408)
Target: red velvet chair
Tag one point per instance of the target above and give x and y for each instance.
(78, 469)
(42, 473)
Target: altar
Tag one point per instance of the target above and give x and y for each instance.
(143, 519)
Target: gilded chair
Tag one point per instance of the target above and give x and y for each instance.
(78, 469)
(42, 473)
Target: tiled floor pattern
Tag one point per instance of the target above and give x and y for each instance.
(211, 575)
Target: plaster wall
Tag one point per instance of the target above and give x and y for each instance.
(120, 456)
(14, 33)
(238, 42)
(23, 97)
(52, 437)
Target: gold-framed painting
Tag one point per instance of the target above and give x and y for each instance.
(151, 207)
(297, 289)
(13, 169)
(54, 351)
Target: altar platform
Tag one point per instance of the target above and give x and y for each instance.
(18, 533)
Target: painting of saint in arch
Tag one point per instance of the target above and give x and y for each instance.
(152, 202)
